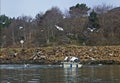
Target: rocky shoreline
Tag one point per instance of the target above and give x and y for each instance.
(54, 55)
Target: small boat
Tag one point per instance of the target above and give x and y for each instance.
(71, 62)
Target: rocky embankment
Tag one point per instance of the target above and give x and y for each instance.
(54, 55)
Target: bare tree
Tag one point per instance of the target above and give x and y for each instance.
(48, 22)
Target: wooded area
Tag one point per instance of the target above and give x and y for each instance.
(80, 25)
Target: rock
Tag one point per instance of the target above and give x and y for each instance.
(47, 55)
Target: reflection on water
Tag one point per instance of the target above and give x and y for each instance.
(57, 74)
(71, 75)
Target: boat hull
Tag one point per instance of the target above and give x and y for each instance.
(71, 65)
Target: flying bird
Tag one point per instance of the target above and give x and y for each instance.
(59, 28)
(20, 27)
(91, 29)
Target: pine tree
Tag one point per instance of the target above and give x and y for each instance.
(93, 21)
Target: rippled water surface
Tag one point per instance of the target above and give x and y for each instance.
(56, 74)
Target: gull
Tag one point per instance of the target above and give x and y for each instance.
(42, 30)
(64, 17)
(99, 64)
(59, 28)
(66, 58)
(91, 29)
(21, 41)
(84, 43)
(8, 82)
(92, 58)
(3, 22)
(26, 65)
(20, 27)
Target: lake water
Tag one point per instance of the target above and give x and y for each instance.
(57, 74)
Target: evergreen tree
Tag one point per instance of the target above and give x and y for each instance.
(79, 10)
(4, 22)
(93, 21)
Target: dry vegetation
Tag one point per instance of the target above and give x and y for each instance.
(54, 55)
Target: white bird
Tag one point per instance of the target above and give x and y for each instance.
(91, 29)
(92, 58)
(20, 27)
(26, 65)
(59, 28)
(99, 64)
(8, 82)
(84, 43)
(64, 17)
(3, 22)
(65, 58)
(21, 41)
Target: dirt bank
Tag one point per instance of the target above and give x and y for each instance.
(54, 55)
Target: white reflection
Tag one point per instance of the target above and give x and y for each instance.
(70, 75)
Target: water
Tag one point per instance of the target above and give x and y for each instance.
(57, 74)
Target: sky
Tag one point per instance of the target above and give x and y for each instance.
(15, 8)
